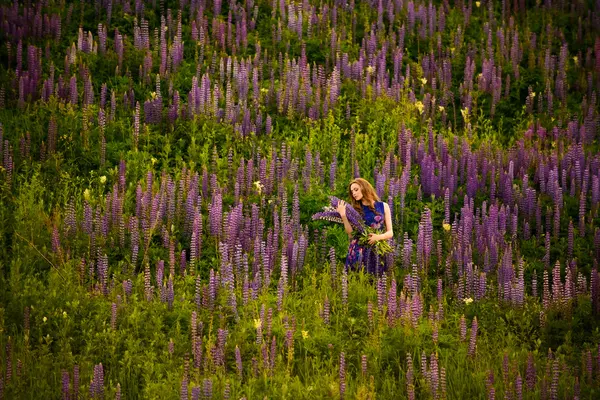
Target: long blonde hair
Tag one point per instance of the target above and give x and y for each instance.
(368, 193)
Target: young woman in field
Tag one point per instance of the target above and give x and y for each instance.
(376, 214)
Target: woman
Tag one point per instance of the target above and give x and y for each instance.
(376, 214)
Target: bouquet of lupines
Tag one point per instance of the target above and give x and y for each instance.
(330, 213)
(381, 247)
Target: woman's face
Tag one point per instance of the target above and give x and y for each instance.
(356, 191)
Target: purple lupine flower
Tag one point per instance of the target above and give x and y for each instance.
(473, 339)
(363, 363)
(184, 388)
(589, 364)
(582, 201)
(409, 377)
(289, 343)
(353, 216)
(113, 317)
(325, 314)
(328, 215)
(75, 382)
(269, 321)
(380, 293)
(65, 385)
(332, 172)
(391, 303)
(519, 387)
(570, 240)
(99, 380)
(147, 287)
(344, 288)
(56, 241)
(342, 374)
(554, 384)
(332, 266)
(238, 361)
(463, 328)
(434, 376)
(273, 352)
(280, 293)
(170, 293)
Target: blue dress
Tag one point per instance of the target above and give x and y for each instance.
(363, 256)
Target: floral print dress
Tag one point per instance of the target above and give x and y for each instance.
(363, 256)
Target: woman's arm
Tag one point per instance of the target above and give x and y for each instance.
(389, 232)
(341, 209)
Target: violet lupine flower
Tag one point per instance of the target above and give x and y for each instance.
(554, 384)
(273, 352)
(409, 377)
(147, 287)
(289, 343)
(391, 303)
(519, 387)
(363, 363)
(353, 216)
(184, 388)
(332, 266)
(280, 293)
(76, 382)
(325, 313)
(55, 241)
(269, 321)
(589, 364)
(424, 369)
(345, 288)
(65, 385)
(463, 328)
(127, 287)
(381, 288)
(113, 317)
(473, 340)
(328, 215)
(98, 381)
(342, 374)
(238, 361)
(570, 240)
(170, 292)
(332, 172)
(227, 391)
(434, 376)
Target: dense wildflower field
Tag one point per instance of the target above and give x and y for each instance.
(161, 162)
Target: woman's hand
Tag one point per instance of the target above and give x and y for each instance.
(373, 237)
(341, 208)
